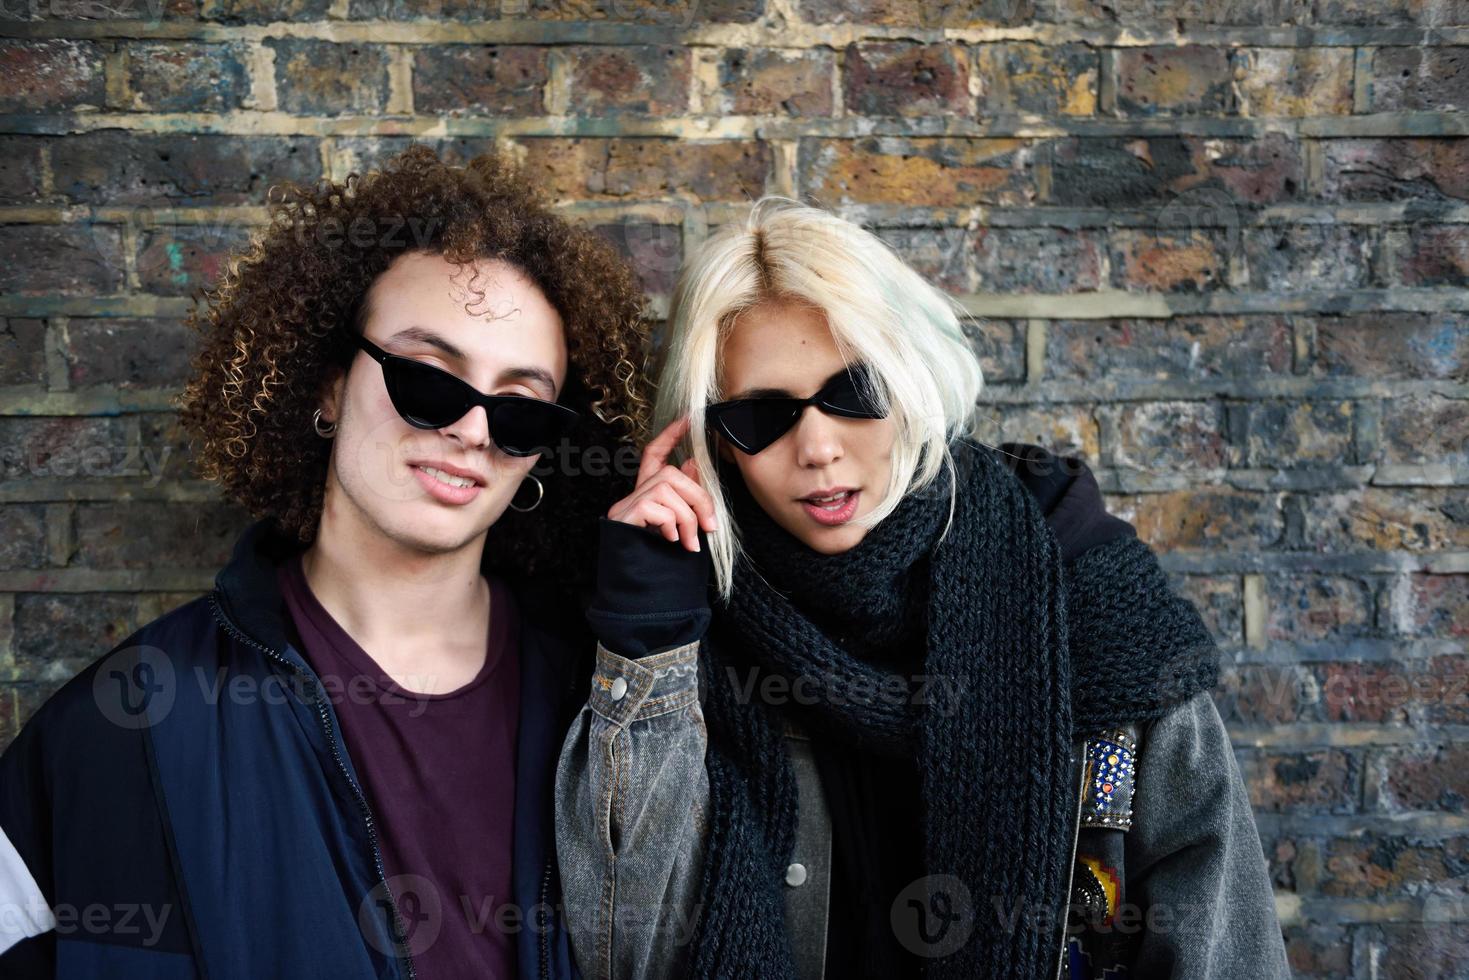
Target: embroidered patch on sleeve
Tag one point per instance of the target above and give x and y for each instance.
(1111, 767)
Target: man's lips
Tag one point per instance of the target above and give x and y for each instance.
(450, 469)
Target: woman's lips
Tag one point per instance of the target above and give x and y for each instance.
(833, 512)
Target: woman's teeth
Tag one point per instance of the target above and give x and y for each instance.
(449, 478)
(834, 502)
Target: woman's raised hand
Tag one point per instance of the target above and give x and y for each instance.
(667, 497)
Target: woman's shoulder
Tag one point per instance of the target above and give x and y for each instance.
(1068, 495)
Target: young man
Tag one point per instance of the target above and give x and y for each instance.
(338, 762)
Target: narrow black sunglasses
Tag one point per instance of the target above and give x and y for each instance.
(752, 424)
(431, 398)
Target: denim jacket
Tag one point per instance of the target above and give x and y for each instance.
(1168, 877)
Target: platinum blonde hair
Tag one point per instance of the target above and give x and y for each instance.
(879, 310)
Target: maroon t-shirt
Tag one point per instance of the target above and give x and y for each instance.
(439, 774)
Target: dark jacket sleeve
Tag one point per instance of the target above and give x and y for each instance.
(652, 593)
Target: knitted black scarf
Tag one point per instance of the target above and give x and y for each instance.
(1032, 653)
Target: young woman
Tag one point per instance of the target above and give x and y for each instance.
(948, 717)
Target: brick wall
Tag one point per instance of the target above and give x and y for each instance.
(1217, 246)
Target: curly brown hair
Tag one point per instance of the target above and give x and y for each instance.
(270, 337)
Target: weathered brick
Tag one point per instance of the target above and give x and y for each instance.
(264, 11)
(1375, 865)
(164, 451)
(1321, 781)
(59, 633)
(1436, 255)
(918, 171)
(654, 251)
(177, 260)
(1167, 261)
(1392, 13)
(766, 82)
(905, 13)
(668, 13)
(54, 448)
(1294, 81)
(1421, 170)
(1150, 13)
(940, 255)
(1434, 949)
(479, 79)
(1376, 693)
(1036, 260)
(1264, 694)
(1435, 605)
(1219, 601)
(672, 13)
(1202, 181)
(1312, 608)
(1206, 519)
(179, 535)
(1068, 430)
(40, 260)
(1422, 78)
(1433, 777)
(1170, 436)
(182, 76)
(325, 78)
(901, 78)
(22, 537)
(1425, 428)
(1394, 169)
(1036, 78)
(1445, 694)
(1186, 79)
(1303, 257)
(1185, 347)
(20, 169)
(1288, 434)
(47, 75)
(1392, 345)
(152, 11)
(127, 353)
(1000, 345)
(1318, 952)
(629, 80)
(22, 351)
(723, 170)
(112, 167)
(1386, 519)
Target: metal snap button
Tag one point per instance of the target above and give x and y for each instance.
(619, 688)
(796, 874)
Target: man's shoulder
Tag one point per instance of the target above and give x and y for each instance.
(95, 701)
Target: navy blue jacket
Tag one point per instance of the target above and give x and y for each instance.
(185, 808)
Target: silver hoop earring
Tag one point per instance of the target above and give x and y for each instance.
(540, 494)
(328, 432)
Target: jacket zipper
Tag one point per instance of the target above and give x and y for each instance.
(401, 953)
(545, 925)
(1071, 866)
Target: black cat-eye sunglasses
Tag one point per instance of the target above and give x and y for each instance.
(428, 397)
(753, 424)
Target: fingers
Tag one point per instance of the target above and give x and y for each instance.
(661, 507)
(655, 453)
(667, 497)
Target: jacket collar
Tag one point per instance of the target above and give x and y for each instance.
(246, 587)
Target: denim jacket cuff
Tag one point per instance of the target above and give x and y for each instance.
(626, 690)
